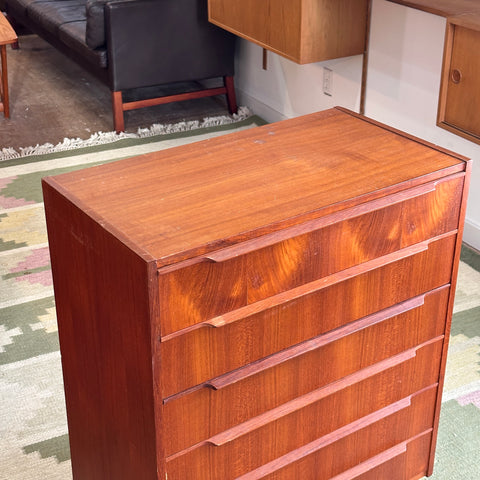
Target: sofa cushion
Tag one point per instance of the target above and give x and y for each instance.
(95, 34)
(50, 15)
(73, 35)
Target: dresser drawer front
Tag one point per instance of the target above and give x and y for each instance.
(207, 411)
(405, 461)
(219, 284)
(194, 357)
(278, 445)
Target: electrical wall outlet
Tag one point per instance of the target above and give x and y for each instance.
(327, 81)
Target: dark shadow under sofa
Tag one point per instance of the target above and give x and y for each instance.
(132, 44)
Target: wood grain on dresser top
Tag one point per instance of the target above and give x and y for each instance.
(194, 199)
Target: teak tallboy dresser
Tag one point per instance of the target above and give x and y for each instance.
(270, 304)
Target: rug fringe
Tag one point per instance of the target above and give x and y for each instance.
(102, 138)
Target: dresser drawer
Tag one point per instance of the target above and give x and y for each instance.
(406, 461)
(318, 430)
(237, 276)
(223, 402)
(204, 353)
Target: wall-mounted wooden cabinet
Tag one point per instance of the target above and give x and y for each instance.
(459, 102)
(304, 31)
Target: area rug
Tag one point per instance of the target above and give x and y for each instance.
(33, 427)
(155, 134)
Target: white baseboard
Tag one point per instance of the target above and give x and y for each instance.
(259, 108)
(471, 234)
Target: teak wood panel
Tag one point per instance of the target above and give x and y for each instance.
(343, 393)
(217, 354)
(209, 412)
(307, 316)
(102, 298)
(169, 217)
(304, 31)
(275, 25)
(405, 460)
(321, 457)
(459, 101)
(365, 437)
(228, 280)
(393, 463)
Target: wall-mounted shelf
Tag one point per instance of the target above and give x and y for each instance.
(305, 31)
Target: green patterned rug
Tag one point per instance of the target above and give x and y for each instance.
(33, 428)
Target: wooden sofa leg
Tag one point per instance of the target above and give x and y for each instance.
(231, 98)
(117, 106)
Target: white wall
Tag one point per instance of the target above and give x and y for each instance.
(404, 71)
(406, 52)
(287, 89)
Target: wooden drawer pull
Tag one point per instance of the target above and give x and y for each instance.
(308, 399)
(310, 345)
(326, 440)
(333, 437)
(373, 462)
(302, 290)
(271, 416)
(312, 225)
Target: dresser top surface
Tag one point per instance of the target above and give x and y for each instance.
(186, 201)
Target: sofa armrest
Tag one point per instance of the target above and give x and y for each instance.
(154, 42)
(95, 28)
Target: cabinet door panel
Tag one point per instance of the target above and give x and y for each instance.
(304, 31)
(460, 98)
(207, 412)
(202, 291)
(292, 439)
(194, 357)
(275, 24)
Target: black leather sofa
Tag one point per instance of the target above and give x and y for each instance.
(131, 44)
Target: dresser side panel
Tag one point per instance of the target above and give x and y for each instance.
(103, 308)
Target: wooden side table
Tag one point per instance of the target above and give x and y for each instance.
(7, 37)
